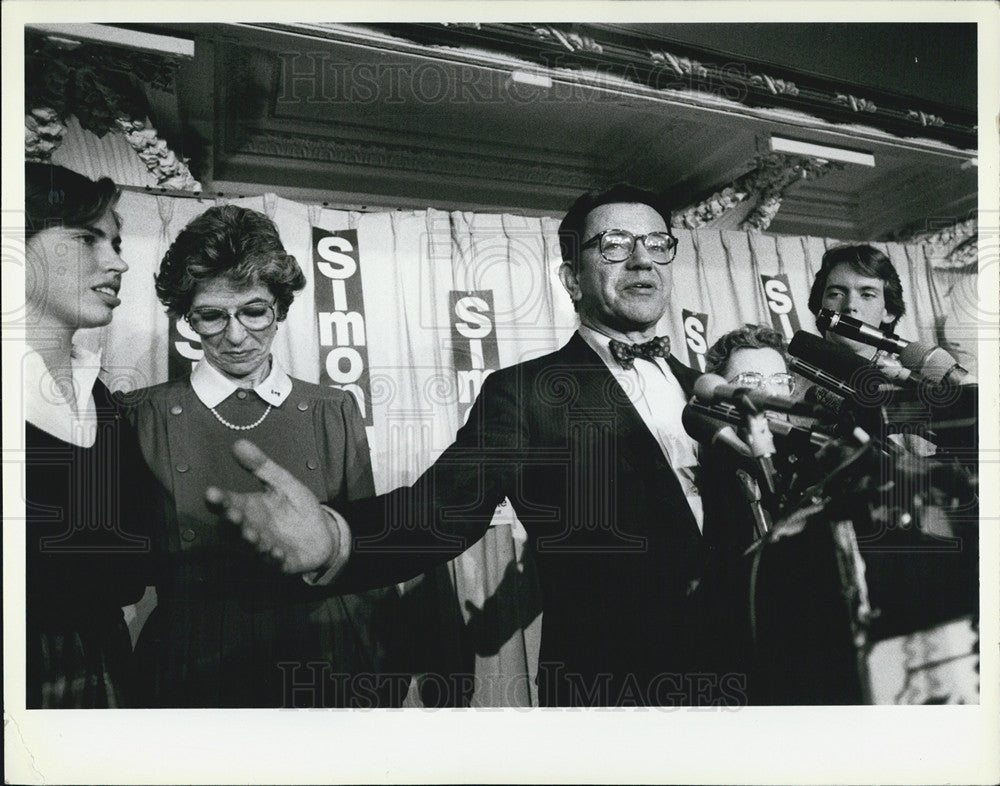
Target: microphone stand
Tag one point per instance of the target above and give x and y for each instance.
(854, 590)
(751, 490)
(761, 443)
(838, 509)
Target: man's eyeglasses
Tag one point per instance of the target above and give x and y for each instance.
(617, 245)
(212, 321)
(776, 384)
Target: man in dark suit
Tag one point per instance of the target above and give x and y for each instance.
(587, 445)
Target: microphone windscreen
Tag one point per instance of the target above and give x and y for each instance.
(831, 358)
(705, 386)
(701, 427)
(912, 356)
(931, 362)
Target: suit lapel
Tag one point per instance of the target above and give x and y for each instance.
(600, 391)
(685, 375)
(604, 387)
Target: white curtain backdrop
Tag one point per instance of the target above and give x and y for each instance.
(485, 603)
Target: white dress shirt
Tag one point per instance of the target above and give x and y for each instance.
(48, 408)
(659, 399)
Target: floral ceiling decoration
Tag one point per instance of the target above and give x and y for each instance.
(856, 104)
(572, 41)
(762, 187)
(101, 87)
(954, 247)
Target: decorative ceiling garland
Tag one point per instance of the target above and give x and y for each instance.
(99, 86)
(949, 235)
(43, 133)
(170, 170)
(611, 51)
(766, 183)
(954, 247)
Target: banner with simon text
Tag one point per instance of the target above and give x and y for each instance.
(411, 310)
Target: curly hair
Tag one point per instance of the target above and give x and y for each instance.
(55, 196)
(865, 261)
(746, 337)
(233, 242)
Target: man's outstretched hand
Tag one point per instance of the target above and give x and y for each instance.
(284, 521)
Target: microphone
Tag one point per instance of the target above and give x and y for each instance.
(827, 392)
(794, 436)
(832, 359)
(751, 490)
(843, 372)
(705, 428)
(711, 388)
(855, 329)
(821, 397)
(934, 364)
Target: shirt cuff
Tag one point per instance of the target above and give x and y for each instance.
(342, 536)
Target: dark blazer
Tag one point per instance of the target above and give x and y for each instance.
(617, 547)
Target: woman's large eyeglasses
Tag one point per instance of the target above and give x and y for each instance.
(617, 245)
(212, 321)
(777, 384)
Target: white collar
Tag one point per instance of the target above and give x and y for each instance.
(212, 387)
(599, 343)
(52, 413)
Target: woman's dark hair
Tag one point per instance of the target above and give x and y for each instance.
(865, 261)
(234, 243)
(571, 227)
(746, 337)
(55, 196)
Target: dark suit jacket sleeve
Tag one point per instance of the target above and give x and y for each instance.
(402, 534)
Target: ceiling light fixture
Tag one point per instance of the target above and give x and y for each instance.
(811, 150)
(528, 78)
(117, 36)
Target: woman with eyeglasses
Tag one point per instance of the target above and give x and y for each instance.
(752, 356)
(85, 482)
(231, 630)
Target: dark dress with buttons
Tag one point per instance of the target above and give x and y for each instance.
(230, 629)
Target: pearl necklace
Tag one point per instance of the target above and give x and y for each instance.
(234, 427)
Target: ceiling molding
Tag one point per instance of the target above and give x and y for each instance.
(332, 151)
(676, 67)
(504, 151)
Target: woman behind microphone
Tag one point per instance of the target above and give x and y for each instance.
(230, 629)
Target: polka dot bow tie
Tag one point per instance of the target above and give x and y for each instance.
(626, 354)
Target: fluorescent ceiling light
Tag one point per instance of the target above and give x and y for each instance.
(528, 78)
(811, 150)
(116, 36)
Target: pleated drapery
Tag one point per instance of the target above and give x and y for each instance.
(481, 613)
